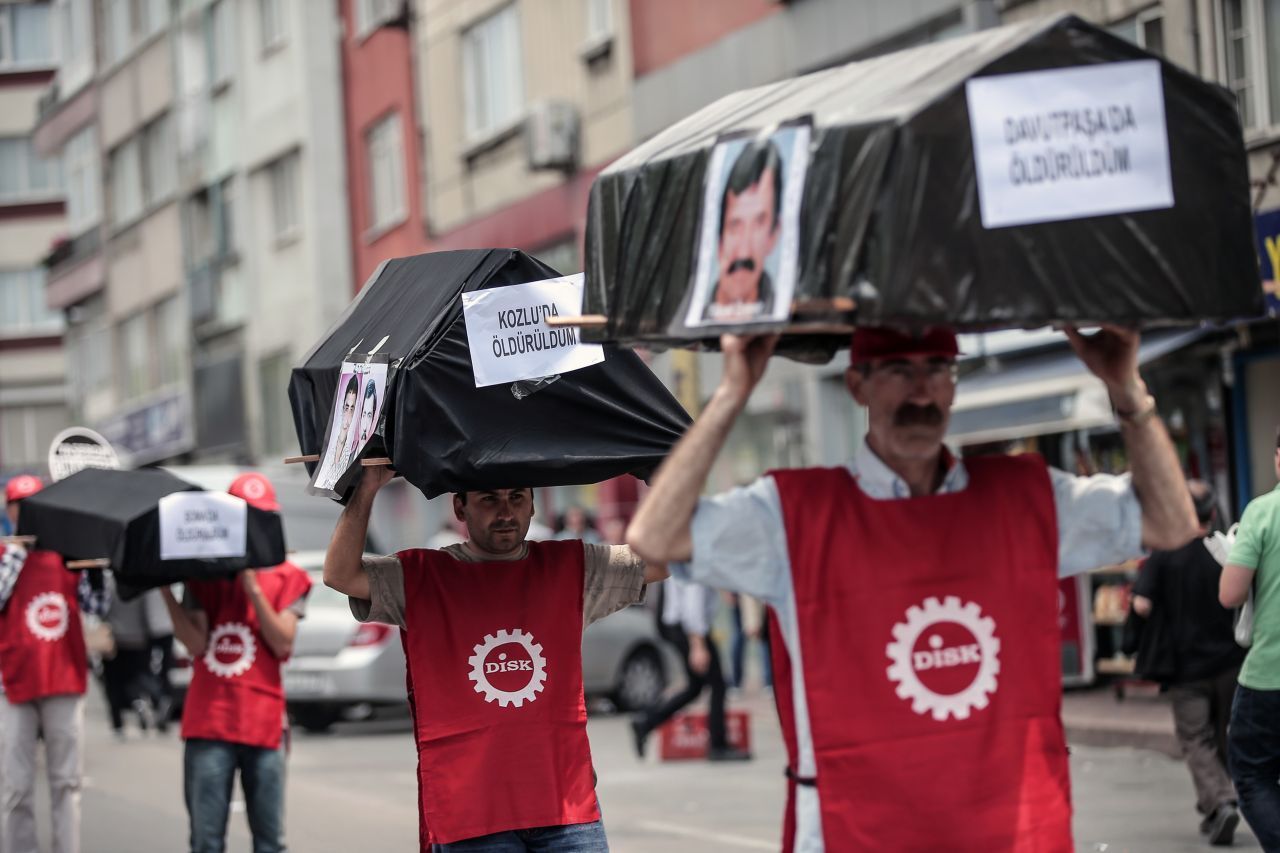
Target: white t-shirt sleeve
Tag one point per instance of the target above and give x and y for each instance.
(1099, 521)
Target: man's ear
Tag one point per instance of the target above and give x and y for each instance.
(457, 509)
(854, 380)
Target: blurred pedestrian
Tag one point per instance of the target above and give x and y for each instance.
(915, 594)
(684, 620)
(1254, 734)
(136, 676)
(1177, 595)
(748, 623)
(239, 632)
(44, 669)
(493, 640)
(578, 525)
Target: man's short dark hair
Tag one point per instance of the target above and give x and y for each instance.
(370, 390)
(353, 387)
(759, 155)
(462, 496)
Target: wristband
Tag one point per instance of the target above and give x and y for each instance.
(1146, 411)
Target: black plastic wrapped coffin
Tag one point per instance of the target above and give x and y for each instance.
(442, 433)
(891, 214)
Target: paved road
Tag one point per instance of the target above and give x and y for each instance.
(354, 790)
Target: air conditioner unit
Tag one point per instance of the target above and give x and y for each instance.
(551, 135)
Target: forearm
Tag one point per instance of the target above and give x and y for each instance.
(185, 629)
(661, 530)
(343, 567)
(1168, 517)
(1234, 584)
(278, 629)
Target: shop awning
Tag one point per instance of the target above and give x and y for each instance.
(1042, 393)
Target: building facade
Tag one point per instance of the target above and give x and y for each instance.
(33, 216)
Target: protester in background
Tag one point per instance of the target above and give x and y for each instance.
(123, 672)
(578, 525)
(748, 617)
(44, 668)
(684, 621)
(1177, 593)
(239, 633)
(1254, 734)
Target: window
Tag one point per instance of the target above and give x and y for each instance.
(153, 17)
(84, 191)
(26, 431)
(26, 36)
(22, 305)
(160, 160)
(283, 179)
(1249, 62)
(271, 23)
(171, 338)
(126, 182)
(221, 40)
(1145, 29)
(599, 20)
(75, 44)
(117, 30)
(385, 147)
(135, 356)
(24, 176)
(277, 421)
(492, 87)
(371, 14)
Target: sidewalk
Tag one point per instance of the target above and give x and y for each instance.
(1142, 719)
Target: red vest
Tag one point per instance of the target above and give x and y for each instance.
(236, 694)
(495, 666)
(42, 651)
(930, 650)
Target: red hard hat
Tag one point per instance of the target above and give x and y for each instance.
(875, 343)
(255, 490)
(22, 486)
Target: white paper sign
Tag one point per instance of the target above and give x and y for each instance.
(509, 340)
(1070, 143)
(202, 525)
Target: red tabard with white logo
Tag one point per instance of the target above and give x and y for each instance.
(42, 651)
(929, 641)
(236, 694)
(495, 662)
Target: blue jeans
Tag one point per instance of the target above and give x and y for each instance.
(572, 838)
(209, 769)
(1253, 748)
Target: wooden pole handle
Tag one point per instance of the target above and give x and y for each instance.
(376, 462)
(591, 320)
(97, 563)
(18, 540)
(293, 460)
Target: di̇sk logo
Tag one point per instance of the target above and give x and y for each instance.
(945, 658)
(231, 650)
(47, 616)
(508, 668)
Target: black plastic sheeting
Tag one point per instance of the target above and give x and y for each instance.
(446, 435)
(891, 216)
(98, 513)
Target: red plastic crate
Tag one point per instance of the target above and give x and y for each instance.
(685, 736)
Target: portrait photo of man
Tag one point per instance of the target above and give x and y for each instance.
(747, 255)
(354, 420)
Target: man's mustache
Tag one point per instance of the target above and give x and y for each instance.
(742, 264)
(909, 414)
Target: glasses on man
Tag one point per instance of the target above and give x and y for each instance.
(936, 372)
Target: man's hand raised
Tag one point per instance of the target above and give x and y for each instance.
(745, 360)
(1112, 355)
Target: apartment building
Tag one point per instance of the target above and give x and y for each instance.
(202, 141)
(33, 216)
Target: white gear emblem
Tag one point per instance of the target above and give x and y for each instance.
(47, 616)
(903, 671)
(228, 633)
(538, 667)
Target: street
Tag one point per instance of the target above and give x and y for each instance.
(354, 790)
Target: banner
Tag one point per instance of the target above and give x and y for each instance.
(77, 448)
(509, 340)
(202, 525)
(1070, 143)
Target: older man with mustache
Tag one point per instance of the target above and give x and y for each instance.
(913, 595)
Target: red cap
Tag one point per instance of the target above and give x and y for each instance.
(22, 486)
(875, 343)
(256, 490)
